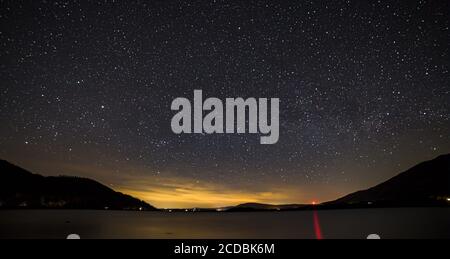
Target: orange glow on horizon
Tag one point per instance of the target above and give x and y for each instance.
(168, 191)
(186, 193)
(201, 198)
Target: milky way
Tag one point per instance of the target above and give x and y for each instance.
(86, 89)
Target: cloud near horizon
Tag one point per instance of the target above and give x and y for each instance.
(169, 191)
(176, 192)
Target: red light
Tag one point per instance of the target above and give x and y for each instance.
(317, 230)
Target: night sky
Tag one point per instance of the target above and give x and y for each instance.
(86, 89)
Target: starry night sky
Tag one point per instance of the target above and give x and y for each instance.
(86, 89)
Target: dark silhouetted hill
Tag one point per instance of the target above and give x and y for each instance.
(265, 207)
(22, 189)
(427, 183)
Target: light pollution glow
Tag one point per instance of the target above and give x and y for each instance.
(185, 193)
(169, 191)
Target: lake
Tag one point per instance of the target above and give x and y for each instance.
(355, 223)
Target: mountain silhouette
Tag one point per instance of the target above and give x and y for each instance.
(423, 184)
(426, 184)
(265, 207)
(22, 189)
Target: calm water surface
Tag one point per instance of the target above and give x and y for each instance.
(357, 223)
